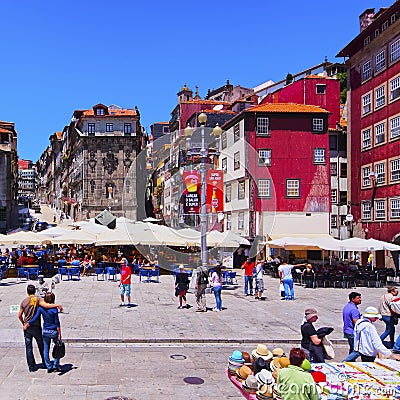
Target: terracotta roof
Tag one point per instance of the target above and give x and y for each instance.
(313, 76)
(59, 135)
(111, 113)
(219, 111)
(206, 102)
(2, 130)
(286, 108)
(161, 123)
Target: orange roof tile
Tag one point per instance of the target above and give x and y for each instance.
(2, 130)
(313, 76)
(59, 135)
(161, 123)
(111, 113)
(286, 108)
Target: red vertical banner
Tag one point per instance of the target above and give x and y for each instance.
(215, 191)
(191, 193)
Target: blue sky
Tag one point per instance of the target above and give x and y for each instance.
(59, 56)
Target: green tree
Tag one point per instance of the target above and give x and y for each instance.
(342, 76)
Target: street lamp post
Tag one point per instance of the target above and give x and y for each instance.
(203, 159)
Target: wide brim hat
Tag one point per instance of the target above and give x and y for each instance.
(262, 351)
(236, 357)
(284, 362)
(250, 385)
(246, 357)
(265, 392)
(260, 364)
(372, 312)
(275, 364)
(264, 377)
(243, 372)
(278, 352)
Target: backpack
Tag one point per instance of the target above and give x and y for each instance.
(203, 278)
(395, 306)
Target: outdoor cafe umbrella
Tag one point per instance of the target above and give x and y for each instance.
(115, 237)
(90, 227)
(53, 232)
(24, 238)
(225, 239)
(75, 237)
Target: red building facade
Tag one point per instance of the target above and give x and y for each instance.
(374, 94)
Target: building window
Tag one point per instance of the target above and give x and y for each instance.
(343, 170)
(380, 174)
(228, 192)
(292, 187)
(263, 126)
(394, 88)
(109, 127)
(165, 129)
(333, 166)
(224, 140)
(366, 104)
(385, 25)
(241, 220)
(333, 221)
(100, 111)
(394, 127)
(318, 125)
(380, 97)
(380, 61)
(224, 164)
(376, 34)
(228, 222)
(393, 18)
(236, 132)
(241, 190)
(366, 138)
(395, 50)
(366, 210)
(321, 89)
(91, 129)
(264, 157)
(395, 170)
(380, 209)
(128, 129)
(367, 41)
(366, 71)
(380, 133)
(394, 208)
(366, 181)
(319, 156)
(342, 197)
(236, 160)
(264, 187)
(334, 196)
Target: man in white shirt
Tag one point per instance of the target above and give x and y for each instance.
(366, 339)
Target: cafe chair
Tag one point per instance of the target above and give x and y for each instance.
(99, 271)
(111, 273)
(74, 271)
(156, 273)
(33, 272)
(63, 271)
(22, 273)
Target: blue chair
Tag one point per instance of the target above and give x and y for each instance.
(22, 273)
(99, 271)
(32, 272)
(156, 273)
(62, 263)
(232, 277)
(4, 271)
(74, 271)
(145, 273)
(111, 273)
(63, 271)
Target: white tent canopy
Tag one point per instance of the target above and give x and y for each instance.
(75, 237)
(53, 232)
(225, 239)
(23, 238)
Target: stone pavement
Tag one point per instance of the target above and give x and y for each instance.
(118, 351)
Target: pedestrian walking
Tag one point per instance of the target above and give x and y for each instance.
(388, 317)
(27, 310)
(181, 286)
(51, 330)
(351, 315)
(125, 283)
(200, 287)
(259, 279)
(366, 339)
(285, 276)
(309, 276)
(216, 282)
(248, 267)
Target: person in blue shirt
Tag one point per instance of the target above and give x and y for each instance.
(351, 315)
(51, 331)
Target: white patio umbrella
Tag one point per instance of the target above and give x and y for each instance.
(24, 238)
(115, 237)
(91, 227)
(374, 244)
(75, 237)
(225, 239)
(53, 232)
(2, 238)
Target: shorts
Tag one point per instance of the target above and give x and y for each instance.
(259, 285)
(125, 289)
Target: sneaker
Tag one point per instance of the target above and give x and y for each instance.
(49, 371)
(32, 369)
(179, 307)
(122, 305)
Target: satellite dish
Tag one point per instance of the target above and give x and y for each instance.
(218, 107)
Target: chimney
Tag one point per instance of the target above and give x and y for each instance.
(366, 18)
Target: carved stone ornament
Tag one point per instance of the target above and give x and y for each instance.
(92, 160)
(110, 163)
(127, 159)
